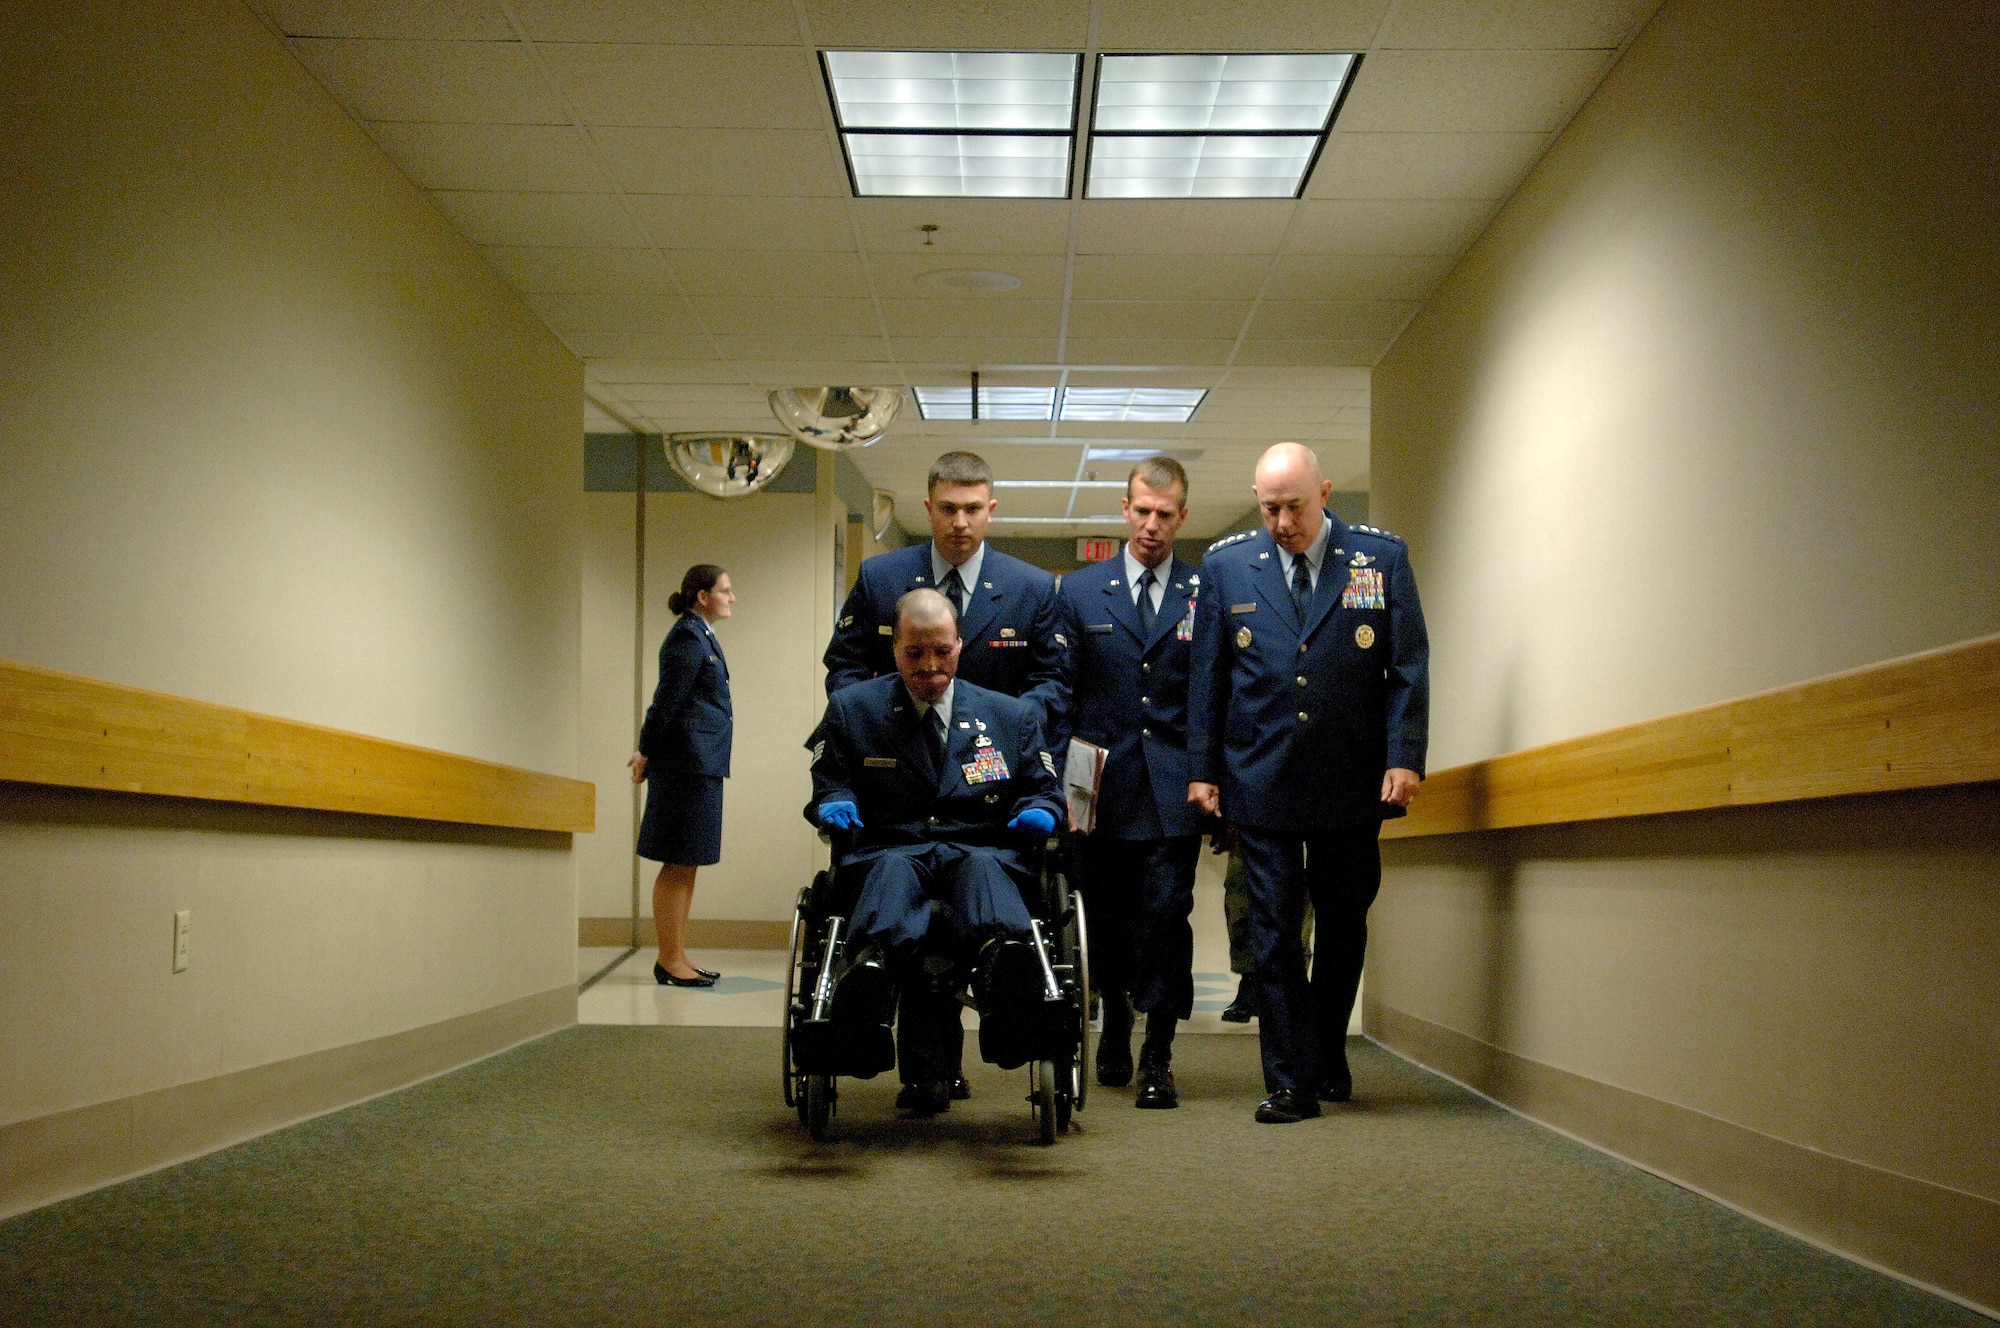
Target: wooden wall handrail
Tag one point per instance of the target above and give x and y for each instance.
(1923, 721)
(73, 732)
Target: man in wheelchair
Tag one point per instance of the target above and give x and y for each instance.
(939, 795)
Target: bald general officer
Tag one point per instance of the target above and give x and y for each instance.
(1309, 700)
(1129, 623)
(1006, 618)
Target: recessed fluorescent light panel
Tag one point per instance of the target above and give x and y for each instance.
(1132, 405)
(955, 124)
(995, 403)
(1212, 126)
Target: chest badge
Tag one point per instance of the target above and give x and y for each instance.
(1364, 636)
(1007, 633)
(1364, 589)
(986, 766)
(1243, 638)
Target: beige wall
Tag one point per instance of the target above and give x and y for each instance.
(778, 548)
(1711, 407)
(273, 436)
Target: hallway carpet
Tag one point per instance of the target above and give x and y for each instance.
(623, 1176)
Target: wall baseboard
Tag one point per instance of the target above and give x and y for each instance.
(57, 1156)
(702, 933)
(1940, 1238)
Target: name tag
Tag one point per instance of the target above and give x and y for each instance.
(886, 629)
(879, 762)
(1243, 608)
(1097, 629)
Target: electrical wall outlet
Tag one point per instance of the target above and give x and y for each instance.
(182, 921)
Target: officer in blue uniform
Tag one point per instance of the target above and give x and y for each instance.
(1129, 623)
(1007, 616)
(1309, 701)
(941, 783)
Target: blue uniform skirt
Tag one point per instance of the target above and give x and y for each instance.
(683, 821)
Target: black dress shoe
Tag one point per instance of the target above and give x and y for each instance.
(1156, 1082)
(958, 1090)
(1114, 1044)
(925, 1099)
(1285, 1107)
(666, 979)
(1242, 1007)
(708, 973)
(1337, 1090)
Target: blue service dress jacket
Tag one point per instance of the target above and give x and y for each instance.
(1127, 692)
(1297, 719)
(688, 728)
(1009, 628)
(869, 749)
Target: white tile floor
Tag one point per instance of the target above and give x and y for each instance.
(751, 993)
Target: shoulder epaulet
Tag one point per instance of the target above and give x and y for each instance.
(1228, 540)
(1384, 534)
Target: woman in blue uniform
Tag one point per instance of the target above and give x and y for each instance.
(683, 758)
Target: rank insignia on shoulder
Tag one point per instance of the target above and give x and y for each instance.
(1062, 640)
(819, 749)
(879, 762)
(1384, 534)
(1049, 764)
(884, 629)
(1228, 540)
(848, 621)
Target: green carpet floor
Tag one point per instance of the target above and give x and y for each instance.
(621, 1176)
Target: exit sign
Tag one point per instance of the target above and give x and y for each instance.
(1096, 549)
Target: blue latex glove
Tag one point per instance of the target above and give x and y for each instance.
(842, 815)
(1037, 821)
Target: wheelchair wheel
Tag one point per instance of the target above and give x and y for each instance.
(1043, 1098)
(792, 974)
(816, 1105)
(1079, 1072)
(1065, 1099)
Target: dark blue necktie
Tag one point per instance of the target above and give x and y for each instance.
(934, 737)
(1146, 604)
(953, 586)
(1302, 586)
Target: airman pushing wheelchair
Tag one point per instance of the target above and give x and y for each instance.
(1059, 1052)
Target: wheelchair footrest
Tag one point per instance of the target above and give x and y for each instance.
(853, 1049)
(1044, 1030)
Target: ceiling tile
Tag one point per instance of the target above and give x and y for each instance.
(1425, 165)
(985, 25)
(1151, 276)
(626, 373)
(1387, 226)
(1156, 319)
(1323, 319)
(600, 312)
(794, 316)
(979, 317)
(801, 347)
(450, 20)
(445, 81)
(570, 271)
(1238, 25)
(527, 158)
(740, 87)
(899, 275)
(791, 162)
(964, 226)
(1114, 350)
(1358, 276)
(695, 221)
(697, 22)
(1183, 226)
(1544, 25)
(1471, 91)
(976, 352)
(754, 274)
(538, 219)
(637, 345)
(1358, 351)
(1321, 380)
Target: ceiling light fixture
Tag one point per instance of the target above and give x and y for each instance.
(955, 124)
(969, 281)
(1212, 126)
(995, 403)
(1132, 405)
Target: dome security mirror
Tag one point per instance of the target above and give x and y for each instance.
(838, 419)
(729, 465)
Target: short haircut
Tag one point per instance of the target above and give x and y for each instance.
(924, 607)
(1161, 473)
(960, 468)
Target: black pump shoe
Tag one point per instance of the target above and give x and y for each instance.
(666, 979)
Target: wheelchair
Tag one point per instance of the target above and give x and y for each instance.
(1058, 932)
